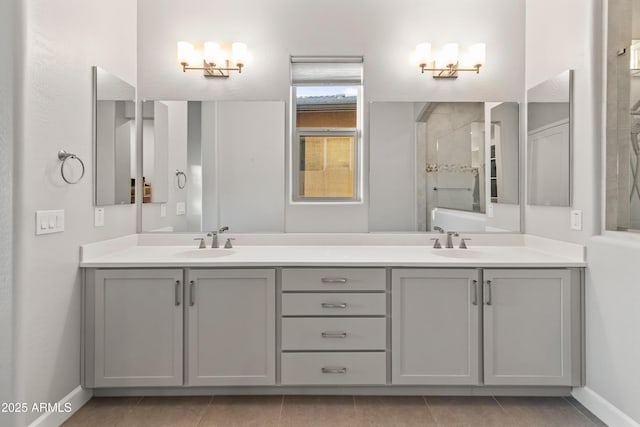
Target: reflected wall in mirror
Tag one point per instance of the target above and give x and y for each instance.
(233, 156)
(549, 141)
(504, 153)
(155, 149)
(427, 166)
(114, 136)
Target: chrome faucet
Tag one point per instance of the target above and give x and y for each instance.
(450, 234)
(214, 236)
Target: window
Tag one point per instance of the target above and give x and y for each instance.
(326, 138)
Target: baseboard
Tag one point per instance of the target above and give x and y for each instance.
(602, 408)
(395, 390)
(77, 398)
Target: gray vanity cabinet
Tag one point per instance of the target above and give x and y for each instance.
(230, 327)
(531, 327)
(134, 335)
(435, 326)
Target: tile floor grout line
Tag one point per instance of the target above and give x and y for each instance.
(499, 404)
(280, 414)
(576, 408)
(424, 398)
(206, 408)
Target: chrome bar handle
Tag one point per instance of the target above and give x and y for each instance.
(334, 334)
(334, 370)
(177, 296)
(333, 280)
(334, 305)
(192, 293)
(487, 299)
(474, 291)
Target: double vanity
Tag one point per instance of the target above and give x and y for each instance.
(332, 313)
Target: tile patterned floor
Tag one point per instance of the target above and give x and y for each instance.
(333, 411)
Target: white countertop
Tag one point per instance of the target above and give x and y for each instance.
(414, 250)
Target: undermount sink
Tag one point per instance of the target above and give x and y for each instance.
(205, 253)
(457, 253)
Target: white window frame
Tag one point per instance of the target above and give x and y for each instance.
(356, 133)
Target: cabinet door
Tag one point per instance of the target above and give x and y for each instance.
(527, 327)
(231, 327)
(138, 328)
(435, 326)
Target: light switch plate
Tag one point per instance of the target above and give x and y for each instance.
(576, 220)
(181, 208)
(163, 210)
(98, 217)
(48, 222)
(490, 210)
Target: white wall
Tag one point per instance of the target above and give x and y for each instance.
(8, 95)
(572, 38)
(62, 40)
(567, 42)
(392, 167)
(384, 33)
(613, 346)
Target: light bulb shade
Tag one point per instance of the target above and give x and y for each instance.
(185, 52)
(477, 54)
(239, 53)
(423, 54)
(450, 54)
(213, 54)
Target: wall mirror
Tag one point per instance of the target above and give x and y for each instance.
(223, 163)
(452, 165)
(549, 142)
(428, 166)
(113, 139)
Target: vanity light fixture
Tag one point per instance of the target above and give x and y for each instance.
(446, 63)
(216, 61)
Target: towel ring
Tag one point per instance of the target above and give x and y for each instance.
(64, 156)
(181, 174)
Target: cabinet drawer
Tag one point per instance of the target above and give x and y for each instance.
(333, 368)
(333, 279)
(334, 334)
(334, 304)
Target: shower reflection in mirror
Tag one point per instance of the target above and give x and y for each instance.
(428, 166)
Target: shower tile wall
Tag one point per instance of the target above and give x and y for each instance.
(622, 202)
(444, 142)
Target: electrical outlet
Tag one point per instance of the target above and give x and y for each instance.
(163, 210)
(48, 222)
(576, 220)
(490, 210)
(98, 217)
(181, 208)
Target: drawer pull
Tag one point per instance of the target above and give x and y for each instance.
(334, 370)
(334, 305)
(333, 280)
(334, 334)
